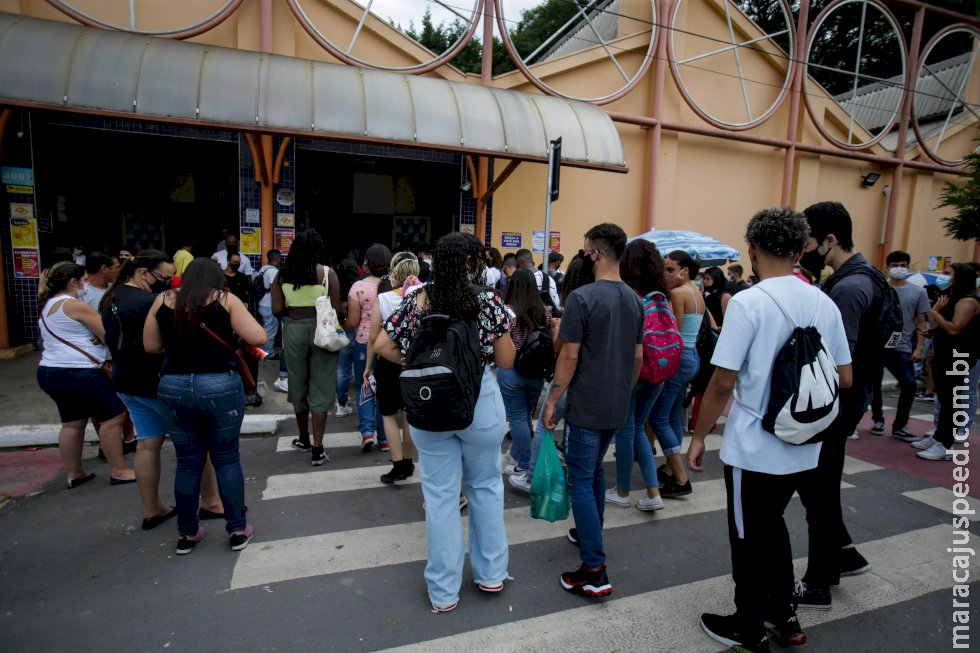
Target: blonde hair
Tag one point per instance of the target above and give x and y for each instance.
(403, 266)
(55, 279)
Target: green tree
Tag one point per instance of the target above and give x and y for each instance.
(439, 38)
(964, 224)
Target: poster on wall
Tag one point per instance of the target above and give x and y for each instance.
(283, 240)
(286, 220)
(27, 264)
(21, 210)
(251, 240)
(23, 233)
(537, 241)
(468, 229)
(512, 239)
(939, 263)
(253, 216)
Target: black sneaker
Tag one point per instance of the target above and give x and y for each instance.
(812, 597)
(240, 539)
(853, 563)
(573, 536)
(786, 632)
(878, 428)
(186, 542)
(902, 433)
(725, 630)
(663, 476)
(672, 488)
(587, 582)
(397, 472)
(319, 456)
(301, 443)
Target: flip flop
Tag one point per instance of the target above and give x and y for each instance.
(120, 481)
(149, 523)
(81, 480)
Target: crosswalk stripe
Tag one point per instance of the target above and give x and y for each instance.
(937, 497)
(330, 441)
(906, 566)
(925, 417)
(301, 557)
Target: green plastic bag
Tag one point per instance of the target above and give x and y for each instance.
(549, 491)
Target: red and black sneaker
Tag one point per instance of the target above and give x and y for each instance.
(588, 582)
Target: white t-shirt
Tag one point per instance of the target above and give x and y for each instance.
(269, 273)
(755, 330)
(552, 286)
(92, 296)
(491, 276)
(222, 259)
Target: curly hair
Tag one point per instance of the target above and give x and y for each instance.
(579, 273)
(449, 290)
(306, 252)
(403, 266)
(779, 231)
(642, 268)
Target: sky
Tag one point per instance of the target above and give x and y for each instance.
(404, 11)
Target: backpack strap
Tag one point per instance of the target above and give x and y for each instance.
(778, 303)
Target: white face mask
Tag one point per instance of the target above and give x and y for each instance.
(898, 272)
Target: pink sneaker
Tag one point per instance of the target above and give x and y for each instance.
(240, 539)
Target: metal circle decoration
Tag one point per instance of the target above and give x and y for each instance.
(736, 46)
(343, 45)
(595, 23)
(183, 32)
(891, 89)
(941, 89)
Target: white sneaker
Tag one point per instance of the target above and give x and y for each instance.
(853, 436)
(649, 504)
(343, 411)
(616, 500)
(520, 482)
(282, 385)
(514, 470)
(924, 443)
(930, 433)
(936, 452)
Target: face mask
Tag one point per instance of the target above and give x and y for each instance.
(943, 282)
(234, 266)
(898, 272)
(160, 286)
(814, 261)
(978, 282)
(698, 284)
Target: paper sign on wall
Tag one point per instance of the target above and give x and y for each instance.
(251, 240)
(284, 240)
(537, 241)
(252, 216)
(23, 233)
(286, 220)
(512, 239)
(20, 210)
(27, 264)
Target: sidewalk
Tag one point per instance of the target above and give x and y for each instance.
(30, 418)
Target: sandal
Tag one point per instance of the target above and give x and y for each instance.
(81, 480)
(444, 608)
(149, 523)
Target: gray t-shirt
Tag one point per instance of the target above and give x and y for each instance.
(606, 319)
(914, 301)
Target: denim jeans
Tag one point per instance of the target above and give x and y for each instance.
(665, 418)
(903, 370)
(271, 325)
(207, 412)
(587, 488)
(540, 430)
(631, 439)
(519, 394)
(345, 370)
(470, 457)
(367, 418)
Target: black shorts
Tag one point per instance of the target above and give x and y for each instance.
(389, 394)
(80, 393)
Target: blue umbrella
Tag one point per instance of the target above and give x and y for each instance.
(925, 278)
(705, 249)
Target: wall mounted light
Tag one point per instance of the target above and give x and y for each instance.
(870, 179)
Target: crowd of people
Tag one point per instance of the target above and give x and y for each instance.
(149, 345)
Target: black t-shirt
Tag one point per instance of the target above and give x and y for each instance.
(194, 351)
(134, 372)
(239, 285)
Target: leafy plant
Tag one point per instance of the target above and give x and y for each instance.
(964, 224)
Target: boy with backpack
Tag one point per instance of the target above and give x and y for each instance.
(762, 470)
(872, 315)
(600, 360)
(260, 291)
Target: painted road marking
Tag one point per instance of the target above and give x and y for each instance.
(937, 497)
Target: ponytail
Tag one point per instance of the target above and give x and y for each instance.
(56, 278)
(148, 259)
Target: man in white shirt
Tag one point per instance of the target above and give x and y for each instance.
(101, 271)
(526, 260)
(270, 322)
(762, 471)
(231, 246)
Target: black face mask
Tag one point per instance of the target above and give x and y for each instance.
(814, 261)
(160, 286)
(234, 266)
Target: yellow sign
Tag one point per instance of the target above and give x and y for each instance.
(251, 241)
(20, 190)
(23, 233)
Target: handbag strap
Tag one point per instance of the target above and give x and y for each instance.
(65, 342)
(220, 340)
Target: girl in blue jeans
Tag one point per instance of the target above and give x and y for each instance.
(470, 456)
(666, 417)
(201, 388)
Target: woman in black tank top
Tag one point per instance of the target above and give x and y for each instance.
(200, 386)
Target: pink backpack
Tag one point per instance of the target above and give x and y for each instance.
(662, 344)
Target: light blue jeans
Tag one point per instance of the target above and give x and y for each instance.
(631, 439)
(345, 369)
(540, 430)
(520, 394)
(470, 457)
(665, 418)
(587, 488)
(271, 325)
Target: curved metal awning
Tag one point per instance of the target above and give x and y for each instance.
(63, 66)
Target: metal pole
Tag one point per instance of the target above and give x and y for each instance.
(547, 210)
(799, 70)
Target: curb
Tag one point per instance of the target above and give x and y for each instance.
(39, 435)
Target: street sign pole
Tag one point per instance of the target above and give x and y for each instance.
(554, 170)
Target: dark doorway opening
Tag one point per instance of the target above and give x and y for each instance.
(354, 200)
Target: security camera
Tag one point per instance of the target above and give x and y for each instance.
(466, 186)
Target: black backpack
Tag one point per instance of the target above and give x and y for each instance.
(440, 382)
(804, 393)
(536, 357)
(886, 328)
(545, 290)
(258, 284)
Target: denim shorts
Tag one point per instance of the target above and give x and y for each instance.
(80, 393)
(149, 416)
